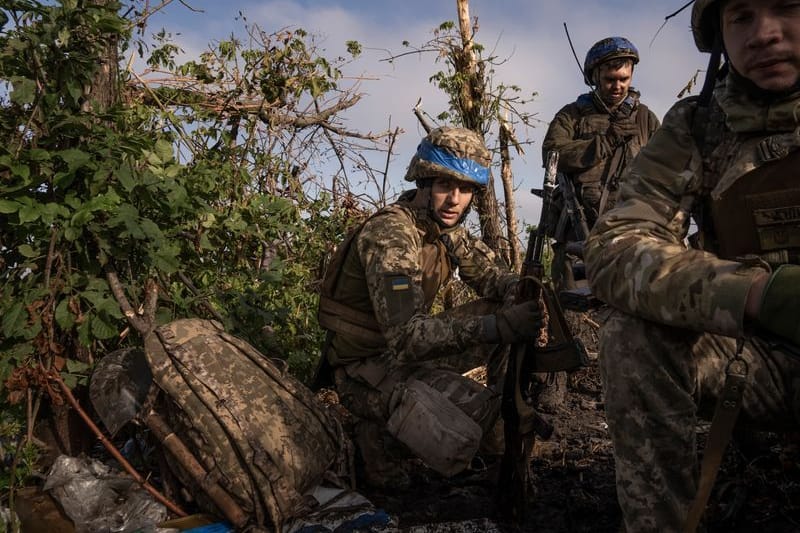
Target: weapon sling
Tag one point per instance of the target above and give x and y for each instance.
(727, 411)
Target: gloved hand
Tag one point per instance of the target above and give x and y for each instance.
(780, 304)
(621, 131)
(518, 323)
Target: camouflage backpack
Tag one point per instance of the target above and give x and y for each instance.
(258, 433)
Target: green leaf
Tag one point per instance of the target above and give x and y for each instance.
(125, 178)
(27, 251)
(166, 259)
(52, 211)
(37, 154)
(84, 331)
(76, 367)
(101, 329)
(24, 90)
(9, 206)
(164, 150)
(14, 320)
(74, 158)
(28, 213)
(72, 234)
(64, 317)
(22, 171)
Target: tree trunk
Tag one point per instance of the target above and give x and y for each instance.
(470, 98)
(105, 86)
(508, 190)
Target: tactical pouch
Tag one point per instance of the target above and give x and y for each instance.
(433, 428)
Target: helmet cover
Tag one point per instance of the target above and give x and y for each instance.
(606, 50)
(456, 153)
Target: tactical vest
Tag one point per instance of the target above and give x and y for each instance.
(750, 203)
(345, 306)
(591, 121)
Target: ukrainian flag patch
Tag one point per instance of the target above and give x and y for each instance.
(401, 283)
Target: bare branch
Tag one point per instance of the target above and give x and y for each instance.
(119, 294)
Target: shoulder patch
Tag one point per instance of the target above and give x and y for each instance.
(399, 298)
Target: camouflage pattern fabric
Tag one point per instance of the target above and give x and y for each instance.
(461, 142)
(257, 431)
(657, 380)
(664, 367)
(389, 248)
(578, 133)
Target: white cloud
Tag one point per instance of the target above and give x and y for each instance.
(529, 33)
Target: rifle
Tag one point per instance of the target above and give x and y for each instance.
(572, 213)
(561, 352)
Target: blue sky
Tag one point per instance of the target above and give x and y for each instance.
(529, 34)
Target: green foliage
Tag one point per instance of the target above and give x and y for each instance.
(171, 184)
(19, 459)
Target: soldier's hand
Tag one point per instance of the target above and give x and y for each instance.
(518, 323)
(780, 304)
(622, 130)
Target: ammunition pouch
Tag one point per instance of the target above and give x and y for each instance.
(433, 427)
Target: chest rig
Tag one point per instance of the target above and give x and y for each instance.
(750, 197)
(345, 305)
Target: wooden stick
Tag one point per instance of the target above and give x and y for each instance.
(172, 506)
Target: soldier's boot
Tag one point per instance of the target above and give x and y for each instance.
(381, 469)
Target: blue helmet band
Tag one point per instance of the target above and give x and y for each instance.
(470, 169)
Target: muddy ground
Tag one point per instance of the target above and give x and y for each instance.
(573, 477)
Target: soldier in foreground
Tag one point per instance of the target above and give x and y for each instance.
(383, 341)
(597, 136)
(720, 318)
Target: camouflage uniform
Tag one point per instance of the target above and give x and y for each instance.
(383, 341)
(589, 157)
(386, 262)
(664, 351)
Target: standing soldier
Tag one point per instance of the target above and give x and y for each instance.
(383, 339)
(597, 136)
(719, 318)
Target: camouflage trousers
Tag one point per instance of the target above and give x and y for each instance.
(658, 380)
(365, 388)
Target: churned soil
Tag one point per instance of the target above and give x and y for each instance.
(573, 487)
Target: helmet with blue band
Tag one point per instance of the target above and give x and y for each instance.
(606, 50)
(456, 153)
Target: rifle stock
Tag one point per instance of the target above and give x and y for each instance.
(560, 352)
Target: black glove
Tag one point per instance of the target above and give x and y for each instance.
(518, 323)
(780, 304)
(621, 131)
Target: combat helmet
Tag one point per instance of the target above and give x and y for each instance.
(450, 152)
(606, 50)
(705, 23)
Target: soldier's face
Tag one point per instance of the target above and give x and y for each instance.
(762, 39)
(613, 83)
(449, 199)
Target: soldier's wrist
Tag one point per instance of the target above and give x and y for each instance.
(779, 305)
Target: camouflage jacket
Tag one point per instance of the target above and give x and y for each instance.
(578, 133)
(637, 255)
(383, 275)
